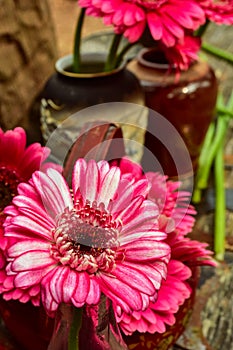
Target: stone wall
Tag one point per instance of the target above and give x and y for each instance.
(27, 56)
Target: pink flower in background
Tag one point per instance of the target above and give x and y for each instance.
(18, 160)
(183, 53)
(174, 204)
(218, 11)
(185, 254)
(175, 26)
(176, 218)
(166, 19)
(103, 236)
(17, 163)
(173, 292)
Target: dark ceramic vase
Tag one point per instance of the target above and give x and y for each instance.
(187, 101)
(69, 100)
(66, 92)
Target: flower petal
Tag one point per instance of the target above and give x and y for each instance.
(146, 250)
(109, 186)
(82, 289)
(120, 290)
(79, 173)
(32, 260)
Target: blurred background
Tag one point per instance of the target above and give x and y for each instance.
(33, 34)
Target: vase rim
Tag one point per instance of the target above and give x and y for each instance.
(64, 62)
(145, 59)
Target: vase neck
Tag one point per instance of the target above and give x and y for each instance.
(92, 66)
(154, 58)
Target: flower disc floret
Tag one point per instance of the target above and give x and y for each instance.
(9, 180)
(86, 239)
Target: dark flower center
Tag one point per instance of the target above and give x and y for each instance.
(9, 181)
(86, 238)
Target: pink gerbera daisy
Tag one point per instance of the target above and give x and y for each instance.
(172, 294)
(101, 237)
(176, 217)
(173, 203)
(183, 53)
(166, 19)
(17, 163)
(218, 11)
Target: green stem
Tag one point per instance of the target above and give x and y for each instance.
(77, 42)
(74, 329)
(202, 29)
(224, 110)
(204, 171)
(214, 138)
(197, 193)
(111, 59)
(220, 206)
(123, 52)
(207, 143)
(215, 51)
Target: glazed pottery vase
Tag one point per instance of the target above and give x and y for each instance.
(187, 101)
(67, 94)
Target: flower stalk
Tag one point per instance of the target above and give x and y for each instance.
(77, 42)
(212, 155)
(111, 59)
(213, 140)
(217, 52)
(74, 329)
(122, 53)
(220, 206)
(202, 29)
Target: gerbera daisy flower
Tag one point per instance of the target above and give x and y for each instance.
(183, 53)
(173, 292)
(173, 203)
(166, 19)
(218, 11)
(176, 218)
(101, 237)
(185, 254)
(17, 163)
